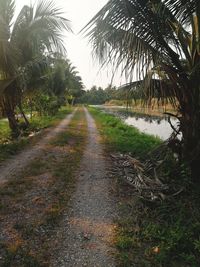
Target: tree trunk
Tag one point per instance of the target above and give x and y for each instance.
(8, 103)
(190, 128)
(195, 172)
(72, 103)
(31, 107)
(23, 115)
(12, 122)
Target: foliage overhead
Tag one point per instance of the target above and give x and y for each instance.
(162, 38)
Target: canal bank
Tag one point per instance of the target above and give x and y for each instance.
(149, 124)
(156, 233)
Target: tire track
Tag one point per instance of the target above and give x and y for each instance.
(14, 166)
(86, 234)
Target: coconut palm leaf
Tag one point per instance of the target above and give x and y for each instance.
(40, 27)
(37, 31)
(142, 19)
(7, 11)
(143, 35)
(8, 53)
(162, 36)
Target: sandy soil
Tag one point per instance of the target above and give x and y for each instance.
(16, 165)
(85, 236)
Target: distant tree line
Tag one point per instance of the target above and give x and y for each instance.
(98, 95)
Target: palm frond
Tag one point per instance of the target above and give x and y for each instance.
(182, 9)
(138, 20)
(8, 53)
(7, 8)
(141, 35)
(40, 26)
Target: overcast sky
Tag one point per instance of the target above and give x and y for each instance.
(79, 12)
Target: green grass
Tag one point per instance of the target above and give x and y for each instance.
(61, 141)
(120, 137)
(164, 234)
(38, 122)
(161, 234)
(4, 130)
(12, 148)
(9, 147)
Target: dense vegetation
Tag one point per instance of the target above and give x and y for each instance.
(154, 234)
(99, 96)
(160, 41)
(109, 95)
(35, 75)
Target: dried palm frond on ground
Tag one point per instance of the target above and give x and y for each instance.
(145, 177)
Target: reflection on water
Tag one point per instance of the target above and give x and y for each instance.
(155, 125)
(160, 128)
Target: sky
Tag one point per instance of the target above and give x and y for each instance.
(79, 51)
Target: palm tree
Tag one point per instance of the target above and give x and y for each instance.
(74, 84)
(62, 79)
(36, 31)
(161, 35)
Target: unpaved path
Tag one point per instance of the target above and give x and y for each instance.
(16, 165)
(87, 230)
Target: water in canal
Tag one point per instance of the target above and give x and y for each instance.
(154, 125)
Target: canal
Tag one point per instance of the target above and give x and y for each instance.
(154, 125)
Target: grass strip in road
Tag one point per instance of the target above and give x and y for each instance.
(160, 234)
(32, 204)
(10, 147)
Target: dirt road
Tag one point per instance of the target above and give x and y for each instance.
(87, 231)
(17, 164)
(35, 224)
